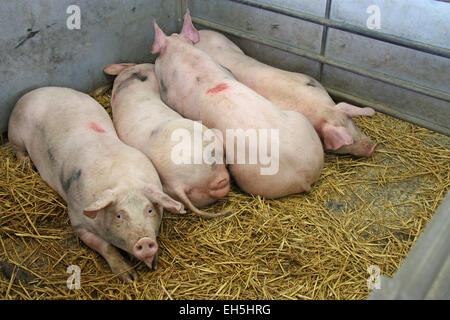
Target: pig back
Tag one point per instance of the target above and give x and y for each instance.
(66, 134)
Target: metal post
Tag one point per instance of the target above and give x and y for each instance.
(324, 38)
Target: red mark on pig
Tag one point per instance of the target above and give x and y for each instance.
(96, 127)
(114, 97)
(219, 88)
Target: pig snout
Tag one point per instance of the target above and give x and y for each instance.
(371, 149)
(220, 187)
(364, 148)
(145, 249)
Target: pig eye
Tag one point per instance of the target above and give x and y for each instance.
(120, 215)
(151, 211)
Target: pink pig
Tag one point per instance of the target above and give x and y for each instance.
(144, 122)
(194, 85)
(113, 192)
(294, 91)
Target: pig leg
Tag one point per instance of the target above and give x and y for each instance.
(17, 145)
(21, 153)
(115, 260)
(353, 111)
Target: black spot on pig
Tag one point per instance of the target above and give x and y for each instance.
(134, 76)
(51, 156)
(198, 79)
(274, 26)
(163, 89)
(50, 151)
(154, 132)
(139, 76)
(42, 132)
(73, 178)
(228, 70)
(311, 83)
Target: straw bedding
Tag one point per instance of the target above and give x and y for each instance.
(318, 245)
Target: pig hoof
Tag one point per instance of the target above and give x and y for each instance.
(125, 272)
(129, 276)
(22, 156)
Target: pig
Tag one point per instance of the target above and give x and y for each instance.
(294, 91)
(197, 87)
(113, 193)
(144, 122)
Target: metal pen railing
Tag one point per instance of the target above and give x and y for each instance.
(325, 21)
(323, 59)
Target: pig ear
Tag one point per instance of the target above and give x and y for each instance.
(336, 137)
(160, 40)
(162, 199)
(189, 30)
(352, 110)
(115, 69)
(105, 199)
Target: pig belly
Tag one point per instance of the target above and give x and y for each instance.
(250, 180)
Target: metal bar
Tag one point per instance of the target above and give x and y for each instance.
(183, 7)
(323, 43)
(327, 60)
(416, 45)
